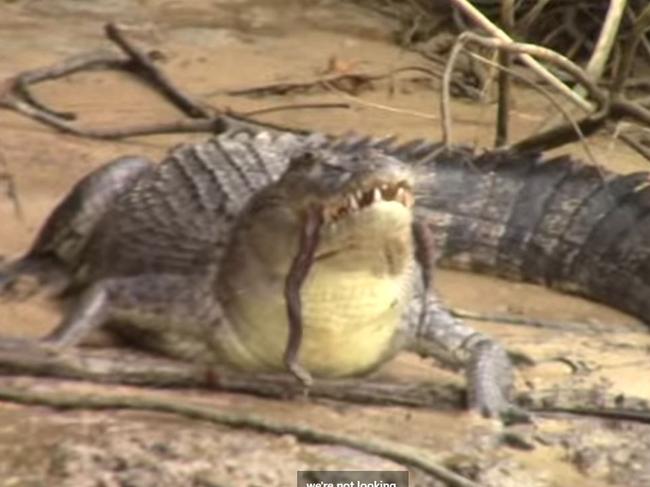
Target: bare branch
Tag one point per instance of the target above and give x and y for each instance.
(503, 108)
(595, 92)
(606, 40)
(523, 54)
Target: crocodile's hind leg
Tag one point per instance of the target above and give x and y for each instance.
(56, 251)
(167, 313)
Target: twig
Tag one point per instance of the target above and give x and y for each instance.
(369, 104)
(503, 107)
(635, 145)
(541, 323)
(445, 111)
(16, 87)
(214, 125)
(531, 16)
(381, 106)
(524, 55)
(617, 414)
(495, 43)
(548, 140)
(617, 109)
(548, 55)
(596, 93)
(354, 79)
(338, 81)
(159, 79)
(564, 134)
(638, 32)
(81, 62)
(605, 42)
(403, 454)
(299, 106)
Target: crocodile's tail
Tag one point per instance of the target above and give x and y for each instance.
(560, 223)
(55, 256)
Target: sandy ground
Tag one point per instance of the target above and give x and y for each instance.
(212, 46)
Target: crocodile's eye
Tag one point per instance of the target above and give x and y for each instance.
(306, 160)
(334, 167)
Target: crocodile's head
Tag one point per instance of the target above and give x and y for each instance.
(359, 209)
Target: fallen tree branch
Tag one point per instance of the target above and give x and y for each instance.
(402, 454)
(120, 366)
(15, 95)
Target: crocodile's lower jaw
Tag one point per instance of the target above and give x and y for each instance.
(352, 300)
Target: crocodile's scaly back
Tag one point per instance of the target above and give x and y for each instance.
(197, 193)
(558, 222)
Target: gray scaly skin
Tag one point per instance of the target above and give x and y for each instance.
(560, 223)
(190, 258)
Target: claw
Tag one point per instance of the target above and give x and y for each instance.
(29, 276)
(490, 381)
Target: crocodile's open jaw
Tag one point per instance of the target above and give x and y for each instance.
(357, 216)
(363, 198)
(356, 278)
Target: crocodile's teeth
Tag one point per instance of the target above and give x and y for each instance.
(353, 204)
(376, 195)
(400, 196)
(408, 199)
(358, 195)
(329, 214)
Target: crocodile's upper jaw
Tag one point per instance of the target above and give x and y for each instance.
(354, 293)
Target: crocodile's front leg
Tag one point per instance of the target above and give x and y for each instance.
(434, 332)
(170, 314)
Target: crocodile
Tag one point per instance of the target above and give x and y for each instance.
(262, 252)
(274, 251)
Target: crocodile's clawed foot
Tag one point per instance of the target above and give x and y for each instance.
(18, 289)
(497, 405)
(490, 381)
(27, 277)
